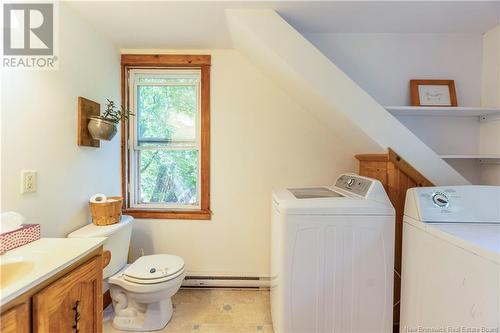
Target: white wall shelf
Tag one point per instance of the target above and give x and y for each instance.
(477, 157)
(465, 137)
(481, 159)
(438, 111)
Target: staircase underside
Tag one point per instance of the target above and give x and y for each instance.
(320, 87)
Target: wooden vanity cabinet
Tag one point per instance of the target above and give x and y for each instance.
(71, 304)
(16, 320)
(68, 302)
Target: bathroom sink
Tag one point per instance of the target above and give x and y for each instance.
(25, 267)
(14, 269)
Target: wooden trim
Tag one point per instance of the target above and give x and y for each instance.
(124, 139)
(170, 60)
(106, 258)
(106, 299)
(205, 139)
(372, 157)
(169, 214)
(404, 166)
(203, 62)
(415, 97)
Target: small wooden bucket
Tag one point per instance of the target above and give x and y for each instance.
(106, 213)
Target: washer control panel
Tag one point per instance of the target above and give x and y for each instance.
(354, 184)
(440, 199)
(457, 204)
(435, 200)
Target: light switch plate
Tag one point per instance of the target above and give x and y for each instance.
(29, 181)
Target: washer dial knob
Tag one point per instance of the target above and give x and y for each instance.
(351, 182)
(440, 199)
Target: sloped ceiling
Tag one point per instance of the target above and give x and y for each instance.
(202, 24)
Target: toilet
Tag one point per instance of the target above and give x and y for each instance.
(141, 292)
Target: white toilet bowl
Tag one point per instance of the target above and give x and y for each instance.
(141, 292)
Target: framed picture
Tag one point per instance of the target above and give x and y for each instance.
(433, 93)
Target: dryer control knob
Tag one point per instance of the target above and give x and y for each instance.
(440, 199)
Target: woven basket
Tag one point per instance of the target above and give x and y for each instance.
(106, 213)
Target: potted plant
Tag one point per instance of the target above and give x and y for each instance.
(104, 127)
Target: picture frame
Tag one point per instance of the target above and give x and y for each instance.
(433, 93)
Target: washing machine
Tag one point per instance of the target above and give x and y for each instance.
(451, 260)
(332, 257)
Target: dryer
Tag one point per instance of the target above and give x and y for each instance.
(451, 259)
(332, 257)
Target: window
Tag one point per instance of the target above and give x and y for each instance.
(166, 144)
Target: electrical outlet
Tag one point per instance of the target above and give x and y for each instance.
(28, 181)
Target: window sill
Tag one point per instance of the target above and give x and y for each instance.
(169, 214)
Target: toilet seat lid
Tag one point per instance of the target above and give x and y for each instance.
(154, 267)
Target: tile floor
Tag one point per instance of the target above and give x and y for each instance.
(217, 311)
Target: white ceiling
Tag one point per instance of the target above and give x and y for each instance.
(188, 24)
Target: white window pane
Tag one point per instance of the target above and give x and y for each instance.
(167, 114)
(168, 177)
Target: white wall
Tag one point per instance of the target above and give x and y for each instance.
(450, 136)
(383, 63)
(260, 139)
(491, 68)
(446, 135)
(38, 131)
(490, 131)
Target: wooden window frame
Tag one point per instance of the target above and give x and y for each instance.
(203, 62)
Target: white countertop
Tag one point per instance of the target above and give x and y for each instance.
(37, 261)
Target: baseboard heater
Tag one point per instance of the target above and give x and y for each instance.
(226, 282)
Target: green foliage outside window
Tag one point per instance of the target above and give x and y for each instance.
(167, 119)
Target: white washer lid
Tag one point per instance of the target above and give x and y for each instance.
(287, 203)
(484, 236)
(154, 267)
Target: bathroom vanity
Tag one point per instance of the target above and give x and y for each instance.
(52, 285)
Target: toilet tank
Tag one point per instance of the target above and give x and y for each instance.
(117, 242)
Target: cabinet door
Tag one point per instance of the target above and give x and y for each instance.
(16, 320)
(72, 303)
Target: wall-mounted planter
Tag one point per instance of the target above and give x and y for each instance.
(94, 126)
(102, 128)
